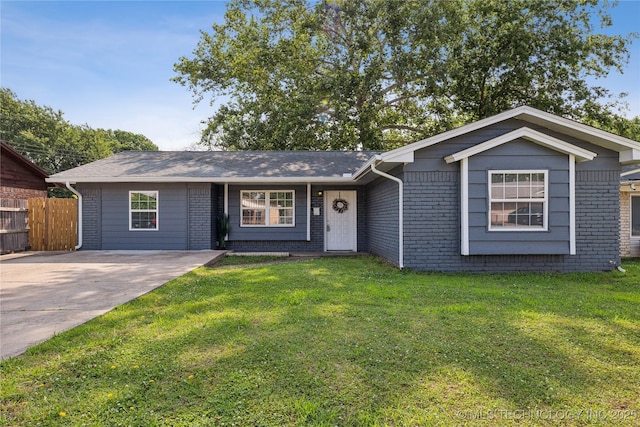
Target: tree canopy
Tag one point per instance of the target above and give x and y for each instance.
(42, 135)
(376, 74)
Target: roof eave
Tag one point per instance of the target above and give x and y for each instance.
(347, 178)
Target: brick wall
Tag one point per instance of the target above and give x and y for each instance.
(15, 193)
(432, 221)
(199, 216)
(597, 221)
(432, 227)
(91, 216)
(382, 218)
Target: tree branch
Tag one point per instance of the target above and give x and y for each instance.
(398, 99)
(401, 127)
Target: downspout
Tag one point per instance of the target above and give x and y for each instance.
(226, 206)
(308, 211)
(79, 245)
(400, 211)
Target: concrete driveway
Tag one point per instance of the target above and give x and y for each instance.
(44, 293)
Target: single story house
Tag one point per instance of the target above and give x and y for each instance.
(630, 212)
(523, 190)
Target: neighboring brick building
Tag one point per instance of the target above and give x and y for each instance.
(20, 179)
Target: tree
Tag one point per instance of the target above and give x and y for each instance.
(122, 140)
(615, 123)
(42, 135)
(376, 74)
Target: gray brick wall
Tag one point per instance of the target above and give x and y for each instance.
(91, 216)
(598, 219)
(363, 220)
(432, 221)
(382, 218)
(432, 228)
(199, 216)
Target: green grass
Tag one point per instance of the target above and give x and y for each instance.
(346, 342)
(249, 259)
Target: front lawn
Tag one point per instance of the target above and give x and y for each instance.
(344, 342)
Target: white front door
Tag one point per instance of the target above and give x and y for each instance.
(340, 221)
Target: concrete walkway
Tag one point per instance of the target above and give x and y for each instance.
(44, 293)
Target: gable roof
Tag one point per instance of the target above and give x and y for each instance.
(219, 166)
(534, 136)
(8, 151)
(629, 149)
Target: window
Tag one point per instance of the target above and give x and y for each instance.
(635, 216)
(518, 200)
(143, 210)
(267, 208)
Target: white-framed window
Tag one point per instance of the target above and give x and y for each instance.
(260, 208)
(518, 200)
(143, 210)
(635, 216)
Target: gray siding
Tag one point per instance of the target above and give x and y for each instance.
(184, 217)
(298, 232)
(172, 230)
(316, 244)
(519, 155)
(382, 217)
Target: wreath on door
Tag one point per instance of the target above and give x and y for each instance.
(340, 205)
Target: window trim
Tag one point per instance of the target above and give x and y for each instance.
(545, 201)
(267, 211)
(156, 210)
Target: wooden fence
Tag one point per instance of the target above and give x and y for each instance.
(53, 224)
(14, 231)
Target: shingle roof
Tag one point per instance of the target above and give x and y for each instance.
(217, 165)
(630, 173)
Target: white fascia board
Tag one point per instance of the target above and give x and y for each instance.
(455, 132)
(366, 167)
(239, 180)
(407, 157)
(588, 133)
(534, 136)
(630, 157)
(631, 172)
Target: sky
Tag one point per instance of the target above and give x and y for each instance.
(109, 64)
